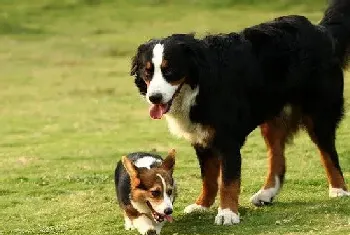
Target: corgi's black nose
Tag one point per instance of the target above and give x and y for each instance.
(156, 98)
(168, 211)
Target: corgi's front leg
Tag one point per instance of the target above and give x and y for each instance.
(158, 227)
(128, 223)
(144, 225)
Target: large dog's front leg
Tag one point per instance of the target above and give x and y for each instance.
(210, 166)
(230, 173)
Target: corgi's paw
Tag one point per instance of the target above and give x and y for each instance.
(144, 225)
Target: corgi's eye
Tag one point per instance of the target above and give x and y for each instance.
(156, 193)
(169, 192)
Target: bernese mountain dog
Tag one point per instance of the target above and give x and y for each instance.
(146, 190)
(282, 75)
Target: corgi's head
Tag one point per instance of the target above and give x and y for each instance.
(153, 186)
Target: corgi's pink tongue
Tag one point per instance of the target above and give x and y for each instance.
(169, 218)
(156, 111)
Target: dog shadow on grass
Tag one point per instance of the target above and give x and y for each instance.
(277, 218)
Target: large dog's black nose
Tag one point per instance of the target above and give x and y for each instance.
(156, 98)
(168, 211)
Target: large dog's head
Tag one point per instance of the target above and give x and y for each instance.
(163, 66)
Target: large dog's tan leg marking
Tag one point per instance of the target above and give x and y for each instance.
(337, 186)
(276, 133)
(210, 182)
(210, 167)
(275, 136)
(229, 196)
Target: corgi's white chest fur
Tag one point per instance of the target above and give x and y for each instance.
(178, 119)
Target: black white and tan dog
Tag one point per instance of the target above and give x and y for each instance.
(146, 190)
(282, 75)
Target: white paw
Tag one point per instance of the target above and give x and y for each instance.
(266, 196)
(159, 227)
(263, 197)
(128, 223)
(338, 192)
(129, 226)
(144, 225)
(195, 208)
(226, 217)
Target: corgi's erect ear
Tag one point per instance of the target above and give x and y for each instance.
(169, 162)
(132, 171)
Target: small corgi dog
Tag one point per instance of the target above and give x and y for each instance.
(146, 190)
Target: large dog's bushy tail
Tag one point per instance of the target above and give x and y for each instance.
(337, 21)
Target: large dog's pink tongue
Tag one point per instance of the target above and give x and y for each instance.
(156, 111)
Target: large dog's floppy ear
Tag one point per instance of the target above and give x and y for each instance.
(169, 162)
(136, 63)
(134, 66)
(136, 59)
(132, 171)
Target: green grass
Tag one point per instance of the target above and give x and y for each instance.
(69, 110)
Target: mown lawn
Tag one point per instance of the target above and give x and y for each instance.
(69, 111)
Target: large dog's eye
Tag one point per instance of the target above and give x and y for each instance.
(169, 191)
(147, 77)
(156, 193)
(148, 74)
(167, 72)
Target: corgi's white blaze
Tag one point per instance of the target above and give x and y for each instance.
(167, 202)
(158, 84)
(146, 162)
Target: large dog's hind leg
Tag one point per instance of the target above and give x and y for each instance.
(276, 133)
(210, 166)
(322, 131)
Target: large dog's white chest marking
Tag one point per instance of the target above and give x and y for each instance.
(178, 118)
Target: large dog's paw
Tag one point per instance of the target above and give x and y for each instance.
(265, 196)
(195, 208)
(338, 192)
(226, 217)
